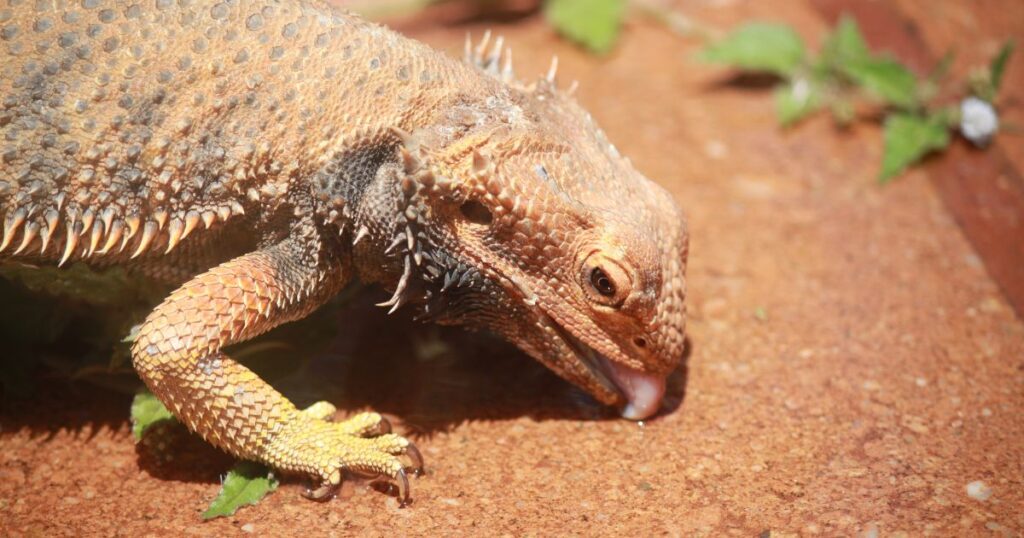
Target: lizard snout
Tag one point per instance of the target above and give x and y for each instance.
(643, 391)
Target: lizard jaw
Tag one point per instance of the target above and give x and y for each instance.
(641, 391)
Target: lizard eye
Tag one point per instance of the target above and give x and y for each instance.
(605, 280)
(599, 279)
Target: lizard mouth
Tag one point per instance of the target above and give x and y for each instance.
(642, 392)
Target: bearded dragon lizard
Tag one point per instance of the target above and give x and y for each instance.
(262, 154)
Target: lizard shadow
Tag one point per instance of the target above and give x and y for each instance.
(426, 379)
(429, 378)
(457, 14)
(745, 81)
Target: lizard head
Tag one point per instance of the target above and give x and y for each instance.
(582, 259)
(524, 220)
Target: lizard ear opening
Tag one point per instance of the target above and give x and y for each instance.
(476, 212)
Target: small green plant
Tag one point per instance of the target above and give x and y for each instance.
(846, 73)
(594, 24)
(146, 412)
(246, 483)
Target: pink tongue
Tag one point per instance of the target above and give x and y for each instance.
(643, 391)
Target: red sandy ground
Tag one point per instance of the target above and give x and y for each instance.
(852, 366)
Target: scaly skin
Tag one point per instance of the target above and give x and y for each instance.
(263, 154)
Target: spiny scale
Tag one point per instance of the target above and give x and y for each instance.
(496, 61)
(70, 242)
(11, 225)
(98, 232)
(31, 230)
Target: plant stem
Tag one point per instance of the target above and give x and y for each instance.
(676, 21)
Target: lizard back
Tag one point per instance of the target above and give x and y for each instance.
(125, 127)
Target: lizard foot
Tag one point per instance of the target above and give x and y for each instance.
(368, 424)
(362, 444)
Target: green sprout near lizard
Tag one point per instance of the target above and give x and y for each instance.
(845, 73)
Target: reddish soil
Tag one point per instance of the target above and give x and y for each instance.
(852, 367)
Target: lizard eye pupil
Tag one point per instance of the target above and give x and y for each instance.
(599, 279)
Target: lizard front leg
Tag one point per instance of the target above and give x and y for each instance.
(178, 355)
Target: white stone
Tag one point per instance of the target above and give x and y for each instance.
(978, 120)
(979, 491)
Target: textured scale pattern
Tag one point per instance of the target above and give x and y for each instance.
(128, 126)
(262, 154)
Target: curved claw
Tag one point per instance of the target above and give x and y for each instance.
(323, 493)
(403, 488)
(417, 460)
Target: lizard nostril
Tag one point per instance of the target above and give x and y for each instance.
(640, 342)
(476, 212)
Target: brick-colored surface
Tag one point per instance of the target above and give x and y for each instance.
(852, 365)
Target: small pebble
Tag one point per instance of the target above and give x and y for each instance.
(990, 305)
(979, 491)
(871, 386)
(716, 149)
(248, 528)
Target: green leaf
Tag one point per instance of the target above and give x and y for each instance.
(759, 46)
(147, 411)
(845, 43)
(929, 87)
(594, 24)
(846, 51)
(246, 483)
(886, 78)
(999, 65)
(795, 100)
(908, 138)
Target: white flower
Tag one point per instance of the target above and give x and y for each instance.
(978, 120)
